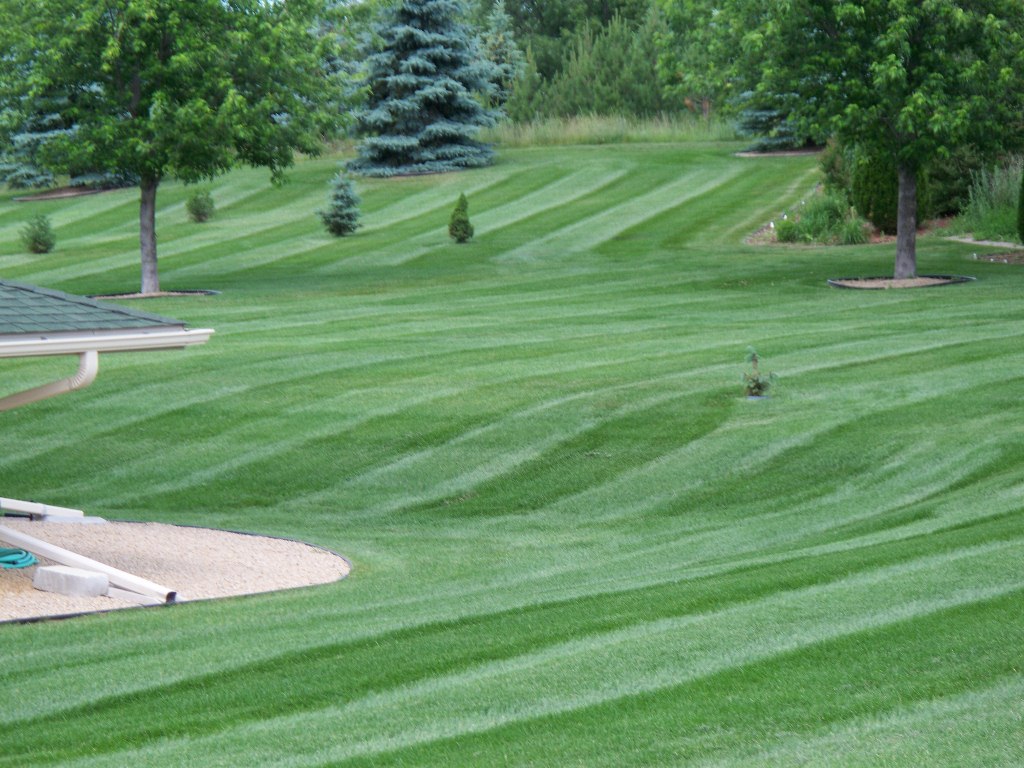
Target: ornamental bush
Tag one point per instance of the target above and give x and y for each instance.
(875, 191)
(825, 218)
(458, 226)
(341, 217)
(199, 205)
(38, 235)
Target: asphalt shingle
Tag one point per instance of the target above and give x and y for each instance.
(30, 309)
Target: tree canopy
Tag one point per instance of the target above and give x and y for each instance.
(908, 81)
(161, 88)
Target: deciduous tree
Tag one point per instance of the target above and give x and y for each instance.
(163, 88)
(911, 81)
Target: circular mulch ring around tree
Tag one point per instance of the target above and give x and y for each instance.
(883, 283)
(158, 295)
(61, 193)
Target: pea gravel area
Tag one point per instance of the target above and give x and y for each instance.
(198, 563)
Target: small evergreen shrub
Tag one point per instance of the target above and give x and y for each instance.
(875, 191)
(341, 216)
(38, 235)
(199, 205)
(459, 227)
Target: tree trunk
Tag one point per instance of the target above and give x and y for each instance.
(906, 223)
(147, 236)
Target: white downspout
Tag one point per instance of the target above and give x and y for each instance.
(88, 367)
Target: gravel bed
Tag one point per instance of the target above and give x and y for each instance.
(197, 563)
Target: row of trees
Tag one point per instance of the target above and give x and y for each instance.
(151, 89)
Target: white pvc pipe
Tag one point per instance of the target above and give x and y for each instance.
(35, 509)
(88, 367)
(118, 578)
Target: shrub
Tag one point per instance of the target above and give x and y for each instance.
(993, 202)
(38, 235)
(458, 226)
(787, 231)
(826, 218)
(852, 231)
(342, 214)
(199, 205)
(1020, 210)
(875, 190)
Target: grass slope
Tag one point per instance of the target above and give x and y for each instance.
(575, 543)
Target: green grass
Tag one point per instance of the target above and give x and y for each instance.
(574, 541)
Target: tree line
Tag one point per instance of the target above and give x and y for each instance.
(137, 91)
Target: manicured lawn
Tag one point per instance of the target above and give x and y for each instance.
(574, 541)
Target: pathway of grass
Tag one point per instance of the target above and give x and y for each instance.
(574, 541)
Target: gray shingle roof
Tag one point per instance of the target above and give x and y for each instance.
(30, 309)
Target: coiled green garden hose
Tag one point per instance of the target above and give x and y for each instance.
(16, 558)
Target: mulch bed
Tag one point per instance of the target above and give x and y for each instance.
(60, 193)
(1010, 257)
(156, 295)
(884, 283)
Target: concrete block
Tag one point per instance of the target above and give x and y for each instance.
(74, 582)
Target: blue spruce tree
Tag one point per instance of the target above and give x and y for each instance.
(423, 114)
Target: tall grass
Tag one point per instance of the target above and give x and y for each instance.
(575, 541)
(992, 206)
(609, 129)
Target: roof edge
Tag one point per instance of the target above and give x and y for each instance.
(155, 338)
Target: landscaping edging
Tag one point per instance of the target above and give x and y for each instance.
(885, 283)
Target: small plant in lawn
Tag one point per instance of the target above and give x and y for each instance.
(458, 226)
(199, 205)
(756, 383)
(38, 235)
(342, 214)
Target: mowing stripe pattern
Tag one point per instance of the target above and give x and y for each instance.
(574, 541)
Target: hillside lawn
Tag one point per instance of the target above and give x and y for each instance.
(575, 541)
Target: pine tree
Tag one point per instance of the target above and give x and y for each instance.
(500, 48)
(459, 227)
(342, 214)
(19, 160)
(423, 114)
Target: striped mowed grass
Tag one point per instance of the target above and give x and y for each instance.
(574, 541)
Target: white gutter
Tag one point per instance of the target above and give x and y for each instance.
(88, 367)
(88, 347)
(122, 341)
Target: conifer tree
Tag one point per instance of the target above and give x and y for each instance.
(342, 214)
(499, 46)
(459, 227)
(423, 115)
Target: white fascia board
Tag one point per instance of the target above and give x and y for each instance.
(32, 345)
